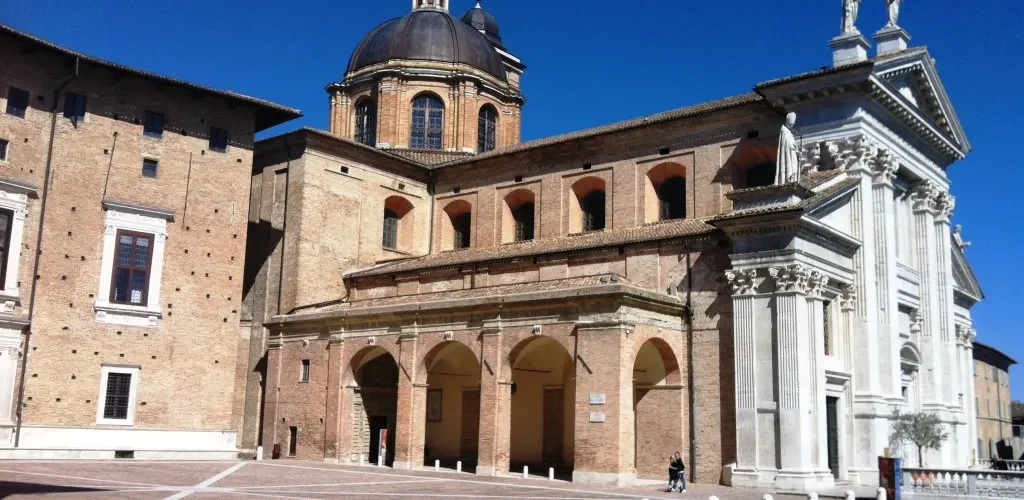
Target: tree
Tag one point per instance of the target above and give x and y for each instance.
(925, 430)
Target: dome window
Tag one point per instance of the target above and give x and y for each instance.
(366, 122)
(487, 128)
(427, 123)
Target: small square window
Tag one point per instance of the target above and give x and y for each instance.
(118, 387)
(218, 139)
(304, 373)
(149, 168)
(3, 149)
(74, 107)
(17, 102)
(154, 124)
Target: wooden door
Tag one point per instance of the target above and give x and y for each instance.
(470, 425)
(554, 413)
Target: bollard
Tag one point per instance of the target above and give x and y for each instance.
(850, 495)
(458, 466)
(380, 460)
(881, 494)
(437, 466)
(712, 497)
(526, 471)
(812, 496)
(551, 475)
(362, 459)
(259, 453)
(766, 497)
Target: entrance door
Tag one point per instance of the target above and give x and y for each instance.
(470, 441)
(553, 421)
(832, 425)
(377, 424)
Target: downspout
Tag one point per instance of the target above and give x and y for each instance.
(688, 315)
(39, 252)
(431, 185)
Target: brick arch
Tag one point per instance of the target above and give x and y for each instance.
(513, 202)
(513, 345)
(357, 359)
(432, 350)
(656, 177)
(669, 359)
(582, 190)
(454, 212)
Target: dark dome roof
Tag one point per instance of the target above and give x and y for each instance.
(428, 35)
(483, 21)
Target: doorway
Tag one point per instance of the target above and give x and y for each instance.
(377, 424)
(832, 430)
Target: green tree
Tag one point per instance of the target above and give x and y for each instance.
(924, 430)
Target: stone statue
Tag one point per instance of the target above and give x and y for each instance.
(894, 13)
(788, 161)
(850, 10)
(959, 238)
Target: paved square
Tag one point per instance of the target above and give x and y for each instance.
(298, 480)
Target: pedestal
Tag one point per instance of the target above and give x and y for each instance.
(891, 39)
(849, 48)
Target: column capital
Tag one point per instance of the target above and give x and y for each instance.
(848, 298)
(924, 196)
(945, 203)
(741, 280)
(916, 321)
(797, 278)
(885, 167)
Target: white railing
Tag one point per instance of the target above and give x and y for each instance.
(1011, 465)
(963, 483)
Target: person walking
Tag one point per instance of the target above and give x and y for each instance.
(673, 474)
(680, 467)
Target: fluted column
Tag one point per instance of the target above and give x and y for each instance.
(969, 396)
(816, 329)
(924, 198)
(944, 205)
(885, 167)
(743, 282)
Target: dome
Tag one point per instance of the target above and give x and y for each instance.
(482, 21)
(428, 35)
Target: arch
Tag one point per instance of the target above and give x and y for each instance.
(588, 212)
(487, 129)
(657, 407)
(427, 122)
(543, 405)
(760, 175)
(451, 372)
(665, 194)
(366, 122)
(519, 215)
(457, 225)
(373, 373)
(397, 226)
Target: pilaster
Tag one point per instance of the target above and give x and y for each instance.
(495, 407)
(743, 288)
(883, 197)
(8, 380)
(411, 408)
(944, 205)
(924, 199)
(272, 395)
(332, 416)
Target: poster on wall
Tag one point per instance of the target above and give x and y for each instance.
(434, 405)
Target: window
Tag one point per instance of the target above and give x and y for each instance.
(131, 268)
(118, 386)
(427, 123)
(390, 239)
(461, 224)
(523, 216)
(672, 199)
(17, 102)
(154, 124)
(304, 372)
(366, 122)
(293, 440)
(3, 149)
(218, 139)
(593, 211)
(6, 219)
(760, 175)
(486, 130)
(149, 168)
(74, 107)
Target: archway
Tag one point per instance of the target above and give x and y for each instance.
(375, 403)
(543, 406)
(665, 195)
(657, 408)
(587, 209)
(518, 215)
(452, 420)
(457, 225)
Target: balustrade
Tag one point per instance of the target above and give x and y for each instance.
(963, 482)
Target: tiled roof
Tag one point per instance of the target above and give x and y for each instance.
(430, 157)
(268, 113)
(825, 70)
(812, 180)
(327, 135)
(595, 239)
(819, 199)
(675, 114)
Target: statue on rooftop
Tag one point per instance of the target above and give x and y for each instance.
(788, 159)
(850, 10)
(894, 13)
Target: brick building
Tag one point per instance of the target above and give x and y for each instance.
(425, 287)
(993, 404)
(123, 200)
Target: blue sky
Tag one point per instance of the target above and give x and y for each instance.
(591, 62)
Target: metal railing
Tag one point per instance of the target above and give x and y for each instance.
(963, 482)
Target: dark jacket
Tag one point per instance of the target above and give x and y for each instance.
(678, 465)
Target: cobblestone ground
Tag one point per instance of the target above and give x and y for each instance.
(301, 480)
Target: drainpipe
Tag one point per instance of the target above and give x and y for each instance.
(39, 252)
(688, 316)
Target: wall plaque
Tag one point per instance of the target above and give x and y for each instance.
(597, 417)
(597, 398)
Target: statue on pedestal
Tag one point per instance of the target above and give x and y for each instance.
(850, 10)
(788, 159)
(894, 13)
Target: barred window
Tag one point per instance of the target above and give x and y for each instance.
(132, 261)
(487, 126)
(17, 102)
(593, 211)
(218, 139)
(672, 198)
(427, 123)
(304, 371)
(390, 239)
(115, 406)
(366, 122)
(523, 216)
(6, 218)
(461, 224)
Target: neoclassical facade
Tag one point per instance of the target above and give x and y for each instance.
(595, 301)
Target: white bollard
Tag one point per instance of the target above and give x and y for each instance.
(458, 466)
(551, 475)
(526, 471)
(437, 466)
(380, 460)
(712, 497)
(259, 453)
(850, 495)
(362, 459)
(812, 496)
(881, 494)
(766, 497)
